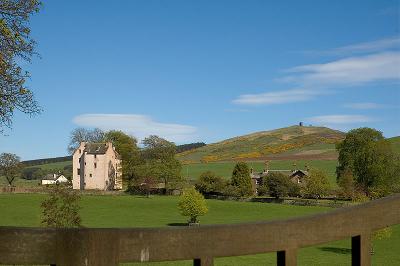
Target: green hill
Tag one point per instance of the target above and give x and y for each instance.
(395, 141)
(295, 142)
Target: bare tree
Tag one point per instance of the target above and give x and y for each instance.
(10, 167)
(80, 134)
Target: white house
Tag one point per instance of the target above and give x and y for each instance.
(52, 179)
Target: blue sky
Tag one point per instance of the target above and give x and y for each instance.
(208, 70)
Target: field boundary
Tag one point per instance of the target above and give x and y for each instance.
(110, 246)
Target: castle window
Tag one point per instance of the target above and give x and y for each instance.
(95, 165)
(95, 156)
(78, 171)
(90, 175)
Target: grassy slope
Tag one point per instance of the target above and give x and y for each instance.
(317, 139)
(128, 211)
(395, 141)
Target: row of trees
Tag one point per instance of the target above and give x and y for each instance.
(277, 185)
(143, 167)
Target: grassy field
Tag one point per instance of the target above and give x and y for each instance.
(395, 141)
(129, 211)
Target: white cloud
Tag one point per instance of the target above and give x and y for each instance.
(390, 43)
(315, 79)
(277, 97)
(138, 125)
(350, 71)
(339, 119)
(365, 106)
(378, 45)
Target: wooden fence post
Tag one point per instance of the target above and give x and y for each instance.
(361, 250)
(208, 261)
(287, 257)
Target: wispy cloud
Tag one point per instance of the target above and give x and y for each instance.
(366, 106)
(349, 71)
(277, 97)
(138, 125)
(379, 63)
(390, 43)
(339, 119)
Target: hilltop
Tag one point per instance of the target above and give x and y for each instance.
(294, 142)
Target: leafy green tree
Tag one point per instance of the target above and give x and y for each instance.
(127, 148)
(192, 204)
(347, 184)
(210, 183)
(371, 160)
(10, 167)
(231, 191)
(241, 179)
(80, 134)
(316, 184)
(61, 208)
(16, 46)
(158, 155)
(278, 185)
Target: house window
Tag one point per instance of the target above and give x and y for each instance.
(78, 171)
(95, 165)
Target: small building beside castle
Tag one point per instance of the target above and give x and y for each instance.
(96, 166)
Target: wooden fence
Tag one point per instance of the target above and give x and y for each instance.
(109, 246)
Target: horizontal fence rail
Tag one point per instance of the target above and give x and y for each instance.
(110, 246)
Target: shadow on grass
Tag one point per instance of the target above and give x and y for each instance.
(177, 224)
(336, 250)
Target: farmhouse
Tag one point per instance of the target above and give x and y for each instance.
(52, 179)
(296, 176)
(96, 166)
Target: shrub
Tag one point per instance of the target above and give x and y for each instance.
(317, 184)
(231, 191)
(192, 204)
(262, 190)
(61, 208)
(278, 185)
(241, 179)
(210, 183)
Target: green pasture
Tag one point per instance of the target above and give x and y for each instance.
(159, 211)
